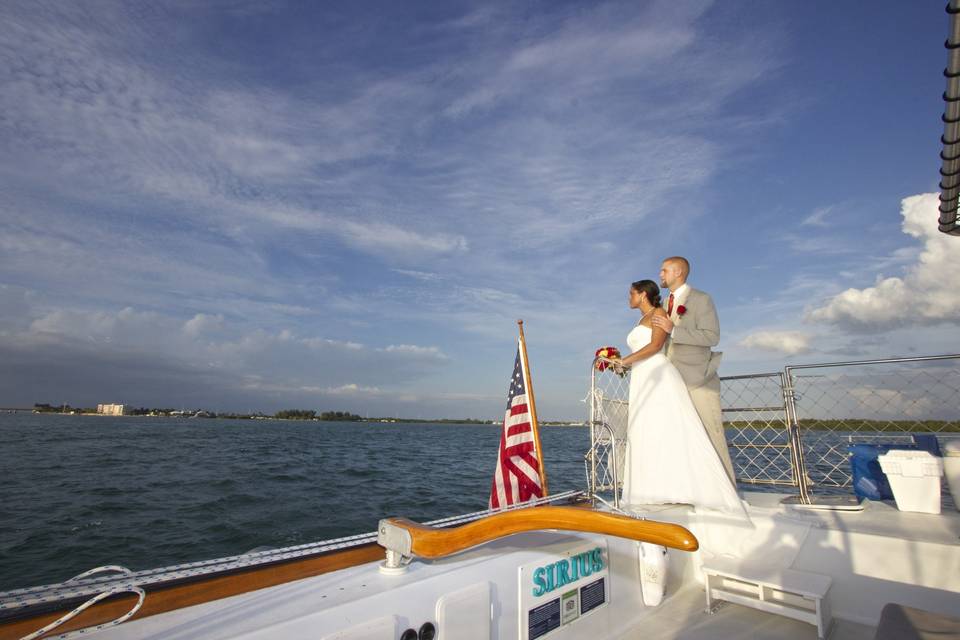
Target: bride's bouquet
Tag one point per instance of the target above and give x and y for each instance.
(610, 353)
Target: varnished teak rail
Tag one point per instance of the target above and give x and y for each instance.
(411, 539)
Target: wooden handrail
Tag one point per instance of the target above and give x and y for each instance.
(198, 591)
(411, 539)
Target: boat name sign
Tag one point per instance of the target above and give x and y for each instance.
(560, 591)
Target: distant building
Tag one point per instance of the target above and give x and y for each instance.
(112, 409)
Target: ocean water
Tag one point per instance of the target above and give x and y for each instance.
(78, 492)
(82, 491)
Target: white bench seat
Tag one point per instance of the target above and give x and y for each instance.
(800, 595)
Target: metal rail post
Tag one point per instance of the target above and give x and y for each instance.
(796, 445)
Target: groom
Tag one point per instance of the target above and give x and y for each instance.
(692, 326)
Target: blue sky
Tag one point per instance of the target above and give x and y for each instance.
(346, 206)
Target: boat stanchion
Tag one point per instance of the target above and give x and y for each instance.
(398, 544)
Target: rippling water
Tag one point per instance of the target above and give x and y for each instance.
(82, 491)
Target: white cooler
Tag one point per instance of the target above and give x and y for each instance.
(914, 477)
(951, 469)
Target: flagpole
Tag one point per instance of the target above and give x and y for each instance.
(533, 409)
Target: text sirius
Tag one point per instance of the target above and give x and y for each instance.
(563, 572)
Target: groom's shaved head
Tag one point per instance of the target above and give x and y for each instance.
(680, 262)
(674, 272)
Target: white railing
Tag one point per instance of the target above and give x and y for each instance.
(792, 429)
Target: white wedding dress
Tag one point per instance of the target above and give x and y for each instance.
(669, 456)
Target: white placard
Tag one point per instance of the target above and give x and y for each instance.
(561, 589)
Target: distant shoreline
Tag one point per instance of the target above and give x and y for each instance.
(212, 416)
(849, 425)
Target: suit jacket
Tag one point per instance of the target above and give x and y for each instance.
(688, 346)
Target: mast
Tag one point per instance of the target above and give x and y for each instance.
(534, 424)
(950, 155)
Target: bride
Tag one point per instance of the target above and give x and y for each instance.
(669, 456)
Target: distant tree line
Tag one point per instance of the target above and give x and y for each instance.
(855, 424)
(285, 414)
(43, 407)
(309, 414)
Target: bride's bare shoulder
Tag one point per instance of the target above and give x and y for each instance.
(659, 311)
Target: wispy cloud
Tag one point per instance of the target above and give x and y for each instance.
(246, 215)
(818, 218)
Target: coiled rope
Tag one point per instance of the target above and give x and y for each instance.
(141, 595)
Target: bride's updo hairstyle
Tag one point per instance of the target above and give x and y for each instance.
(650, 288)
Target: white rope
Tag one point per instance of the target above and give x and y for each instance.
(141, 595)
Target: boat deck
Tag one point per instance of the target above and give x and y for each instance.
(872, 557)
(682, 616)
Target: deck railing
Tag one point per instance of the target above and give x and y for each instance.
(792, 429)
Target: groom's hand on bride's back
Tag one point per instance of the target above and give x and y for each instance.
(662, 321)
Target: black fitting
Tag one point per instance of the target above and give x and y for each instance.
(951, 11)
(947, 74)
(427, 631)
(949, 159)
(949, 175)
(947, 98)
(946, 143)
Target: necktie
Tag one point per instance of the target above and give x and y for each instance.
(670, 304)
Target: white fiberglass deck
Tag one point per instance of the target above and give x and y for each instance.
(873, 557)
(681, 616)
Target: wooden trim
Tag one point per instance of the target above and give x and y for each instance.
(434, 542)
(207, 589)
(534, 423)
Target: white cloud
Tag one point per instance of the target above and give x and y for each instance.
(415, 350)
(227, 357)
(894, 403)
(380, 236)
(788, 342)
(818, 217)
(927, 292)
(424, 276)
(351, 390)
(201, 323)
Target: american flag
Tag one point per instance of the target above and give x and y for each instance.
(517, 477)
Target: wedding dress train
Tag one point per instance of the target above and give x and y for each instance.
(669, 456)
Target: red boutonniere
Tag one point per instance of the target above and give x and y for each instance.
(681, 310)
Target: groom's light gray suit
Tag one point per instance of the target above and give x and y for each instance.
(688, 348)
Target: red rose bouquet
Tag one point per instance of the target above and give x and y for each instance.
(610, 353)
